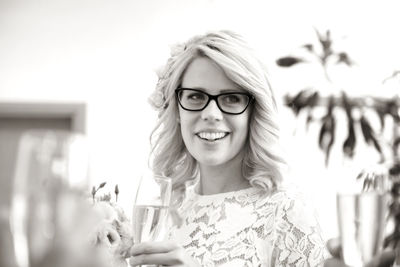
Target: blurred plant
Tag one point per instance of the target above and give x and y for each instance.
(324, 57)
(104, 197)
(308, 99)
(94, 190)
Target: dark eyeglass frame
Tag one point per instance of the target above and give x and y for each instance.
(215, 98)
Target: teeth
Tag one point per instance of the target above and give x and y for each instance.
(212, 136)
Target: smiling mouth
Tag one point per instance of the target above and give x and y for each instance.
(212, 136)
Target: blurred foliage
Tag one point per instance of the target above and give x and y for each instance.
(324, 56)
(307, 100)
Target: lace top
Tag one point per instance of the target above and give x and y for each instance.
(249, 228)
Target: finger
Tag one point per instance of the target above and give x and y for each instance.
(164, 259)
(334, 247)
(152, 248)
(334, 263)
(385, 259)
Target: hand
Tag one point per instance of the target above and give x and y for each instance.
(165, 253)
(384, 259)
(335, 249)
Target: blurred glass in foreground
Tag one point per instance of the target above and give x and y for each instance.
(362, 222)
(50, 217)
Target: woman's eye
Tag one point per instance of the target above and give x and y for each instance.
(196, 96)
(232, 99)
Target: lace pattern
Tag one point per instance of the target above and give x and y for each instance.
(249, 228)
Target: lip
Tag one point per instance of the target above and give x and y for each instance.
(203, 137)
(211, 131)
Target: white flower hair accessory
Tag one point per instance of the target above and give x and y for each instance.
(158, 97)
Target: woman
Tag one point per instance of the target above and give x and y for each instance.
(218, 138)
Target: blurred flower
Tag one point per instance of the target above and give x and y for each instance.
(112, 234)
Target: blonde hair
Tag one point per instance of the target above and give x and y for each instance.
(262, 160)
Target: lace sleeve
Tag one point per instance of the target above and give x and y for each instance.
(298, 237)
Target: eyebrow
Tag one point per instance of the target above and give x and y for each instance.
(221, 91)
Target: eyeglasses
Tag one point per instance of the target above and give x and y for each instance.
(234, 103)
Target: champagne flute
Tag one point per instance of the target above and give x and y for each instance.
(150, 210)
(50, 177)
(362, 221)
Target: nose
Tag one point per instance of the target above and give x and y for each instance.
(212, 112)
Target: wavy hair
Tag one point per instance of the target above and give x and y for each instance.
(262, 160)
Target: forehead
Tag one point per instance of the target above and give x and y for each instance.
(203, 73)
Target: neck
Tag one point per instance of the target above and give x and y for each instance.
(222, 178)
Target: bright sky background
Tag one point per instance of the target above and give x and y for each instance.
(104, 53)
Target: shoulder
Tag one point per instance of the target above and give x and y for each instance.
(294, 206)
(289, 206)
(283, 198)
(297, 231)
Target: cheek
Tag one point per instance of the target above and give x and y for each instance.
(242, 126)
(186, 125)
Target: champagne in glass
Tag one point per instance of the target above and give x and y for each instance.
(149, 221)
(151, 207)
(362, 221)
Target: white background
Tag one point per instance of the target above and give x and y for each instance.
(104, 53)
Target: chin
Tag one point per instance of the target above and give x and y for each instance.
(212, 160)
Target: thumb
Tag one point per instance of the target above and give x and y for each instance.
(334, 247)
(384, 259)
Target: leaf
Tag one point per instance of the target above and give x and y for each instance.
(309, 47)
(326, 43)
(394, 74)
(369, 135)
(381, 115)
(312, 100)
(310, 103)
(309, 118)
(344, 58)
(297, 102)
(366, 129)
(366, 185)
(288, 61)
(360, 175)
(396, 145)
(376, 144)
(327, 131)
(350, 142)
(394, 171)
(393, 110)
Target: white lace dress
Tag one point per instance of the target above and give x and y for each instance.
(249, 228)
